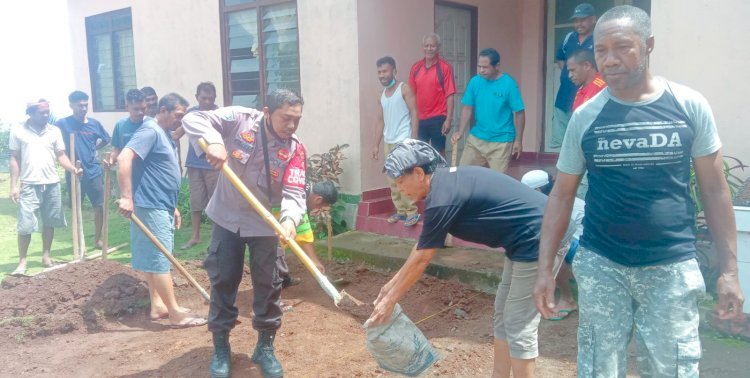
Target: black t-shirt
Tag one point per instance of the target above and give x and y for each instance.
(483, 206)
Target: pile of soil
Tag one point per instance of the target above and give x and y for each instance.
(77, 297)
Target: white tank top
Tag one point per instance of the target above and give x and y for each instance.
(396, 117)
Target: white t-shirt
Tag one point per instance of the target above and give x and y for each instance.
(38, 152)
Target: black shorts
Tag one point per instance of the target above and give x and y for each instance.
(431, 131)
(92, 188)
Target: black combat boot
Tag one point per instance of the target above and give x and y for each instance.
(263, 355)
(220, 363)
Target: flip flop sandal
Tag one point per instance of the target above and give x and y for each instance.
(565, 314)
(412, 220)
(166, 315)
(395, 218)
(191, 322)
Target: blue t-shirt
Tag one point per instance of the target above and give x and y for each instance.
(88, 136)
(124, 130)
(156, 172)
(494, 103)
(567, 92)
(483, 206)
(637, 154)
(192, 160)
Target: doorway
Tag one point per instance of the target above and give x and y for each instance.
(456, 24)
(558, 26)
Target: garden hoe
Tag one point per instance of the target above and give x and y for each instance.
(268, 218)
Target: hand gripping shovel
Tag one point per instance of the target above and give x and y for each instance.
(268, 218)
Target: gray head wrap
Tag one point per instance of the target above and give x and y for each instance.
(412, 153)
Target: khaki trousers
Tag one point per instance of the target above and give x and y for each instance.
(404, 205)
(496, 155)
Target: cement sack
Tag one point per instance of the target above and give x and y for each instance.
(399, 346)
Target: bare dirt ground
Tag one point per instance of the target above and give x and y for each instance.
(91, 320)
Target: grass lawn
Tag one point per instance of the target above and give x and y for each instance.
(62, 245)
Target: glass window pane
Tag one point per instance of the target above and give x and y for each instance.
(102, 72)
(111, 58)
(125, 65)
(229, 3)
(281, 47)
(244, 64)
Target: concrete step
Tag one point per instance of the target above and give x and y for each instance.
(479, 268)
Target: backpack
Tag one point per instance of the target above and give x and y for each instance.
(441, 77)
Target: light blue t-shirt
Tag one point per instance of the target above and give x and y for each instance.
(494, 103)
(156, 172)
(124, 130)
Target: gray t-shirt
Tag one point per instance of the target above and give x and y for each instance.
(638, 208)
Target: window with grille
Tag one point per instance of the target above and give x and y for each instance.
(109, 38)
(260, 49)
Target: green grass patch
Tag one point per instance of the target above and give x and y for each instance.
(24, 321)
(62, 244)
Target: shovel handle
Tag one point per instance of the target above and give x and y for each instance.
(169, 257)
(271, 221)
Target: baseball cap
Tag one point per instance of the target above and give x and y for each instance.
(411, 153)
(583, 10)
(535, 179)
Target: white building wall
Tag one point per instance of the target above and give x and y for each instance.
(177, 44)
(702, 44)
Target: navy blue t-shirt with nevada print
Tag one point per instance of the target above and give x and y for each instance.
(638, 208)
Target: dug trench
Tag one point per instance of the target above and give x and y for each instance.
(91, 319)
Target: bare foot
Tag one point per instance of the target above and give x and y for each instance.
(164, 313)
(46, 261)
(20, 270)
(190, 244)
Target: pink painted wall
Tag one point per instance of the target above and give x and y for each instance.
(385, 27)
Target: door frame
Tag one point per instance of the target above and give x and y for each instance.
(473, 46)
(474, 12)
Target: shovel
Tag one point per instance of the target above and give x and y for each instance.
(269, 218)
(169, 257)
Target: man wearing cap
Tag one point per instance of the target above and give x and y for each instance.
(90, 136)
(584, 19)
(543, 182)
(34, 147)
(495, 100)
(638, 277)
(464, 201)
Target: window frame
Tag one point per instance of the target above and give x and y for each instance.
(224, 12)
(110, 31)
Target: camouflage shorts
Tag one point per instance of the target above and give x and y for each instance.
(658, 305)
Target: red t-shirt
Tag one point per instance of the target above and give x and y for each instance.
(430, 95)
(586, 92)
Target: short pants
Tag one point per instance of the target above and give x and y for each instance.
(516, 319)
(202, 184)
(92, 188)
(431, 131)
(146, 257)
(46, 199)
